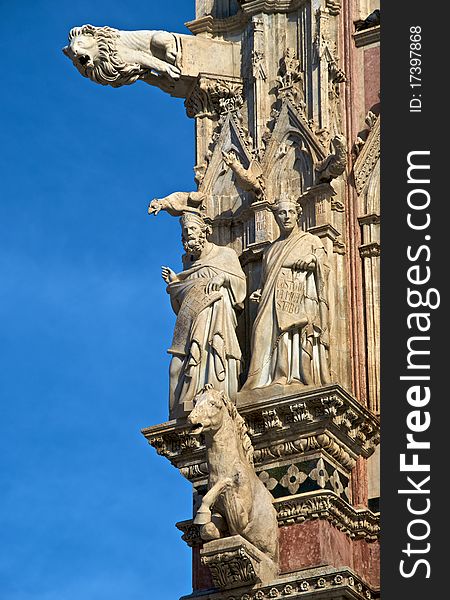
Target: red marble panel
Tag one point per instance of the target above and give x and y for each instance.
(201, 577)
(318, 543)
(371, 77)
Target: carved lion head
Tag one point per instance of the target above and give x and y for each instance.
(93, 52)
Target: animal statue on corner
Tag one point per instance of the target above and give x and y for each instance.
(237, 501)
(112, 57)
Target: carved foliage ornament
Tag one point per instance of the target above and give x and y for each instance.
(369, 153)
(213, 97)
(291, 79)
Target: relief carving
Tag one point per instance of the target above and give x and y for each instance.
(211, 97)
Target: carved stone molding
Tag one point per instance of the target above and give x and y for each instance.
(355, 523)
(234, 562)
(325, 231)
(367, 158)
(291, 79)
(252, 7)
(213, 26)
(370, 250)
(367, 36)
(334, 6)
(325, 583)
(292, 422)
(359, 524)
(370, 219)
(210, 97)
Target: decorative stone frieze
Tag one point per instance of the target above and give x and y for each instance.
(336, 424)
(370, 250)
(211, 97)
(324, 582)
(234, 562)
(252, 7)
(355, 523)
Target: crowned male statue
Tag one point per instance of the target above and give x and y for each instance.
(291, 329)
(205, 297)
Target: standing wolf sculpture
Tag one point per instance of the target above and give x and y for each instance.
(240, 501)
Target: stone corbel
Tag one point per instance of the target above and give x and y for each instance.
(235, 562)
(212, 97)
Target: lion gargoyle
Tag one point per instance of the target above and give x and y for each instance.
(112, 57)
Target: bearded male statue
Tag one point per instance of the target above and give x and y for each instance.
(205, 297)
(290, 336)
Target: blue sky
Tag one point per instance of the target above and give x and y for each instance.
(87, 508)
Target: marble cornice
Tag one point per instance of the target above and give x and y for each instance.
(293, 421)
(323, 583)
(326, 505)
(367, 36)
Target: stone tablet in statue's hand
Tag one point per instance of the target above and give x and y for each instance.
(215, 284)
(168, 275)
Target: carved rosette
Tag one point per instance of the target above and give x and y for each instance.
(211, 97)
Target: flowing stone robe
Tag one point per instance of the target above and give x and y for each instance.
(205, 330)
(292, 324)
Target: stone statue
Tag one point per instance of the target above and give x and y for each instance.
(204, 296)
(112, 57)
(176, 203)
(291, 330)
(334, 164)
(251, 179)
(241, 503)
